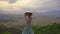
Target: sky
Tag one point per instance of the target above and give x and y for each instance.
(21, 6)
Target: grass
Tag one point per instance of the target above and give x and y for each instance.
(38, 29)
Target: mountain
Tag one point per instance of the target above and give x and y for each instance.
(50, 13)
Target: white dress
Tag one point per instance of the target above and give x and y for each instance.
(28, 30)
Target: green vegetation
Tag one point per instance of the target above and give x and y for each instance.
(6, 33)
(46, 29)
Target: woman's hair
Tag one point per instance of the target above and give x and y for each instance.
(28, 14)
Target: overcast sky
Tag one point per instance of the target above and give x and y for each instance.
(21, 6)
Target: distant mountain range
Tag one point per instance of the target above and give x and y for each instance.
(50, 13)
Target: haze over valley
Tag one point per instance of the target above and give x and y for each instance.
(41, 18)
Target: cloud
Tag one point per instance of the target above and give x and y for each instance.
(20, 6)
(54, 4)
(12, 1)
(3, 0)
(9, 1)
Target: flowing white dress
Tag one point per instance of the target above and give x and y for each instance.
(28, 30)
